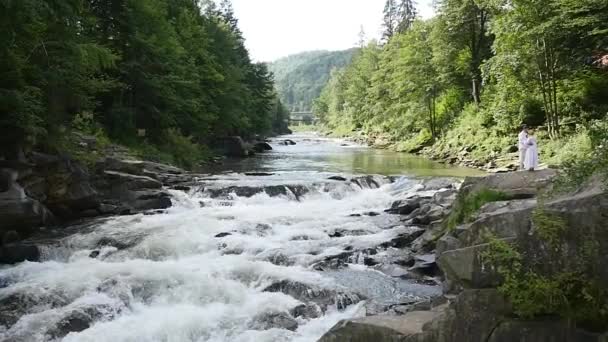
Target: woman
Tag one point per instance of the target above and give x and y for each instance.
(531, 160)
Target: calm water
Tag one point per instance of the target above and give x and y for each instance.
(172, 278)
(314, 153)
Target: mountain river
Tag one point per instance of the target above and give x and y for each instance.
(227, 263)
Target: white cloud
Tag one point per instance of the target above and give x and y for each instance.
(277, 28)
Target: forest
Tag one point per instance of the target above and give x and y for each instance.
(300, 78)
(164, 77)
(468, 78)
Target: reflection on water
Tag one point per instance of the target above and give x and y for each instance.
(316, 153)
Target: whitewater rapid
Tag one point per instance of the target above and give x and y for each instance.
(198, 271)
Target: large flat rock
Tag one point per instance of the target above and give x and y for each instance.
(521, 183)
(380, 328)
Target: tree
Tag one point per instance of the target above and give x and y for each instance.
(467, 24)
(391, 19)
(406, 15)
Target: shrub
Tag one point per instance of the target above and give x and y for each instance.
(573, 293)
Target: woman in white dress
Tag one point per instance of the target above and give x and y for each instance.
(531, 160)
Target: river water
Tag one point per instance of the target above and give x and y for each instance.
(222, 267)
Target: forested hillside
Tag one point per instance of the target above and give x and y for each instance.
(164, 76)
(301, 77)
(467, 79)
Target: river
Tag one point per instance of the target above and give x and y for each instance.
(222, 267)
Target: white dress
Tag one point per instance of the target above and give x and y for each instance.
(531, 160)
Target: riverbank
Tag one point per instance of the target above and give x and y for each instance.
(470, 147)
(520, 262)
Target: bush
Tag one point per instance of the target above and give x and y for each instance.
(586, 163)
(573, 293)
(177, 150)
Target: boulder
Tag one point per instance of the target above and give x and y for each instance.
(311, 294)
(466, 267)
(337, 178)
(274, 320)
(405, 207)
(521, 184)
(532, 331)
(17, 211)
(248, 191)
(381, 328)
(62, 184)
(471, 316)
(119, 181)
(260, 147)
(16, 252)
(234, 146)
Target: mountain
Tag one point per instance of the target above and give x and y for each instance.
(301, 77)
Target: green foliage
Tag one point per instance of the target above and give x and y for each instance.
(467, 205)
(572, 292)
(300, 78)
(473, 74)
(178, 150)
(119, 66)
(593, 160)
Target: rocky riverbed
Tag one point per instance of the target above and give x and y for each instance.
(133, 250)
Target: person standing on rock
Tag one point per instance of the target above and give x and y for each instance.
(531, 159)
(523, 146)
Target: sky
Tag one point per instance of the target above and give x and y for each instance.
(278, 28)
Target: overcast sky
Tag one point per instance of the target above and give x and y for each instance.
(277, 28)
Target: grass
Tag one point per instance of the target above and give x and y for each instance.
(467, 206)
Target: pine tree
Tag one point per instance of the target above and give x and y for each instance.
(406, 15)
(390, 22)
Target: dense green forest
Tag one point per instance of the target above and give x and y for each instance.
(301, 77)
(470, 76)
(163, 76)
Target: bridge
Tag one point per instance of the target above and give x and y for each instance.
(298, 118)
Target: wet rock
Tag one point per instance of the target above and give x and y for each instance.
(17, 211)
(248, 191)
(425, 265)
(307, 311)
(313, 294)
(338, 178)
(366, 182)
(276, 257)
(274, 320)
(74, 322)
(405, 239)
(94, 254)
(221, 235)
(355, 215)
(13, 253)
(336, 234)
(260, 147)
(120, 245)
(233, 147)
(371, 213)
(150, 199)
(403, 207)
(287, 142)
(259, 174)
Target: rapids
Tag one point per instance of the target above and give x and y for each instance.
(222, 267)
